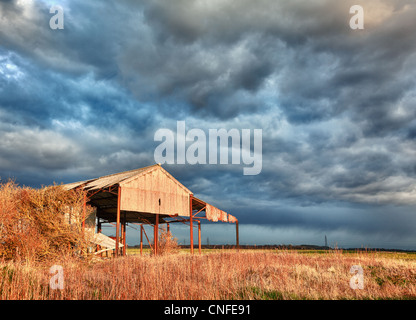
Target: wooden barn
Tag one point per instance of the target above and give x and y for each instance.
(149, 195)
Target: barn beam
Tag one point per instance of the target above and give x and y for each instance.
(141, 239)
(199, 237)
(118, 221)
(199, 211)
(156, 233)
(191, 235)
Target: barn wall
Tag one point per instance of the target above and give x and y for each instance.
(143, 193)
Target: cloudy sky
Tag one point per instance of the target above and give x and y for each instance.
(337, 107)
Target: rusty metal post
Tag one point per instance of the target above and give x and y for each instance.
(124, 232)
(121, 234)
(168, 229)
(141, 239)
(237, 236)
(156, 233)
(191, 242)
(118, 221)
(199, 236)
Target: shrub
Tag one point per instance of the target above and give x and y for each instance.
(167, 243)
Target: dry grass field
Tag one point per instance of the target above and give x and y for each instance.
(35, 235)
(226, 274)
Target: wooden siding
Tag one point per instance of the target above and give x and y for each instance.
(142, 194)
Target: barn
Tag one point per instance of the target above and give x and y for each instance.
(148, 195)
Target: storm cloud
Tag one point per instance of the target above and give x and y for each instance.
(337, 106)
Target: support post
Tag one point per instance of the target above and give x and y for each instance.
(123, 226)
(191, 241)
(237, 236)
(156, 233)
(121, 234)
(118, 222)
(199, 236)
(98, 247)
(141, 239)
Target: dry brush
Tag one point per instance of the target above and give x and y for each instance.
(39, 224)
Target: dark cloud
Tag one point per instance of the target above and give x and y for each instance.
(336, 106)
(355, 219)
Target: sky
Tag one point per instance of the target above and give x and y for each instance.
(336, 106)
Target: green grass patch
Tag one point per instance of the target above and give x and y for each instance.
(257, 293)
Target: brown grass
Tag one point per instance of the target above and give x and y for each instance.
(218, 275)
(34, 222)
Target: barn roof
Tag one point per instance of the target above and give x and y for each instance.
(118, 179)
(106, 181)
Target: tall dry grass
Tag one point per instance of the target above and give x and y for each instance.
(219, 275)
(34, 222)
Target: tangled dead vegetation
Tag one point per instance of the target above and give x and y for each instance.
(38, 224)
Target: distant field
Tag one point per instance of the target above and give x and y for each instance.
(411, 255)
(220, 274)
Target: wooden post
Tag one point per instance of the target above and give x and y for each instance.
(191, 241)
(141, 239)
(199, 236)
(118, 222)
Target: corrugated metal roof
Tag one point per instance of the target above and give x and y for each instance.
(212, 213)
(109, 180)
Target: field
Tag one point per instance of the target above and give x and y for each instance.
(218, 274)
(41, 237)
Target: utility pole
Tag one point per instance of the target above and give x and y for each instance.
(326, 242)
